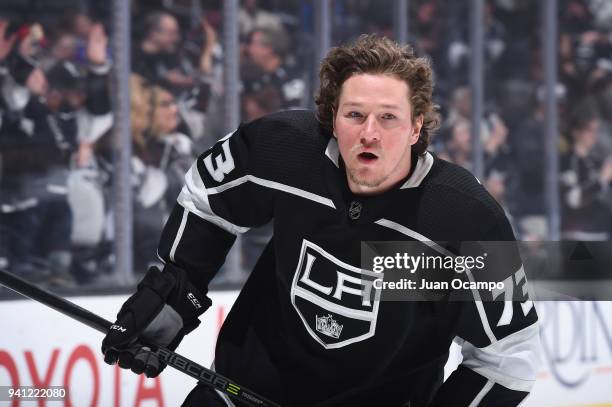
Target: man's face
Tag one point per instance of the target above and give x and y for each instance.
(64, 48)
(462, 136)
(167, 36)
(252, 109)
(588, 134)
(375, 131)
(258, 50)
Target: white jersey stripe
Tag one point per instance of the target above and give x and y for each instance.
(511, 361)
(179, 234)
(273, 185)
(194, 198)
(184, 199)
(481, 394)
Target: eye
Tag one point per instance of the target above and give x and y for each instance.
(354, 115)
(388, 116)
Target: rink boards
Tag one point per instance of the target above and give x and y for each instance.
(41, 347)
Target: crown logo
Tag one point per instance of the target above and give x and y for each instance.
(328, 326)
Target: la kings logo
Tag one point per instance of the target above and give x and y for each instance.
(336, 301)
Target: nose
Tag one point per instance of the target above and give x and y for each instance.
(369, 132)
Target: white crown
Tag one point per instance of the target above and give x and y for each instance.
(327, 325)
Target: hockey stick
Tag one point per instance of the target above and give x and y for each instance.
(181, 363)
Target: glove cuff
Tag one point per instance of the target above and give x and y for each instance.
(161, 283)
(188, 301)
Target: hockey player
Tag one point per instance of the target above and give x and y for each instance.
(356, 170)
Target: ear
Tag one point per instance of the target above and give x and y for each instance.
(416, 129)
(334, 122)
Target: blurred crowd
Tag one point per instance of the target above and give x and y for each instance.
(56, 125)
(56, 120)
(513, 127)
(54, 106)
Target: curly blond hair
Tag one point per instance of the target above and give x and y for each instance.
(372, 54)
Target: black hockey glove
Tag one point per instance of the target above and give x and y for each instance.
(163, 310)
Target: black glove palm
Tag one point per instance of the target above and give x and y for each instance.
(163, 310)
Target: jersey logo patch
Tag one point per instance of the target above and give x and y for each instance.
(336, 301)
(355, 210)
(328, 326)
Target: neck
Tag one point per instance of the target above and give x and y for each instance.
(149, 47)
(581, 149)
(272, 64)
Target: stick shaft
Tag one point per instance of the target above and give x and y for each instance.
(53, 301)
(181, 363)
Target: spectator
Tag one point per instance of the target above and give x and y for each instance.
(251, 17)
(430, 36)
(528, 147)
(458, 148)
(201, 122)
(158, 56)
(495, 40)
(585, 52)
(161, 156)
(37, 141)
(261, 102)
(460, 106)
(495, 183)
(155, 58)
(493, 131)
(520, 20)
(78, 23)
(265, 65)
(605, 129)
(585, 179)
(64, 47)
(430, 32)
(161, 60)
(71, 37)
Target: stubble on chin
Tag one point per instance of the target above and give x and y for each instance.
(369, 182)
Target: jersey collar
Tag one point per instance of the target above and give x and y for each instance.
(332, 151)
(423, 166)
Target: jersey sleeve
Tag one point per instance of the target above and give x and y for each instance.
(498, 334)
(220, 199)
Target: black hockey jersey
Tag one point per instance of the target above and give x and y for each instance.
(299, 332)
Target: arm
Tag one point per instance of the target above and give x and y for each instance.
(217, 202)
(499, 339)
(6, 44)
(97, 117)
(98, 96)
(22, 80)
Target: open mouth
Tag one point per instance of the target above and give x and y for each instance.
(367, 157)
